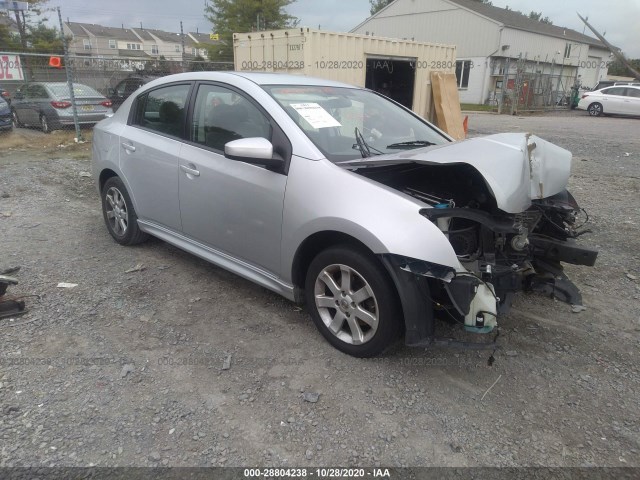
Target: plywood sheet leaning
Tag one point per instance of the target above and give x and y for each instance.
(447, 104)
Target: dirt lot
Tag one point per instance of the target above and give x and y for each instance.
(126, 368)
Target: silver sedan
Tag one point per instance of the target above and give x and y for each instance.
(339, 198)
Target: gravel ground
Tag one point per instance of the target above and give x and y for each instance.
(125, 369)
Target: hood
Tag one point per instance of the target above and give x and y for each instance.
(517, 167)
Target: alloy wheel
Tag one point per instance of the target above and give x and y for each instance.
(117, 212)
(346, 304)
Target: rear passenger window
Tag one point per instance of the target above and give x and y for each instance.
(221, 115)
(163, 110)
(633, 92)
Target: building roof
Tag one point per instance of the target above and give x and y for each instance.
(202, 38)
(161, 35)
(101, 31)
(517, 20)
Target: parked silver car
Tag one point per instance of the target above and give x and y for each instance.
(48, 105)
(336, 196)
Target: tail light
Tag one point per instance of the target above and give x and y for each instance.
(106, 103)
(55, 104)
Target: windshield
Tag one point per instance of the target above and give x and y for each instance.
(350, 123)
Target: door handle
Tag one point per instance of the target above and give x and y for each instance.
(128, 147)
(190, 171)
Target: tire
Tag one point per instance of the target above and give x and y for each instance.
(595, 109)
(119, 214)
(352, 301)
(44, 124)
(16, 121)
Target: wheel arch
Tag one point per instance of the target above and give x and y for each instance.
(313, 245)
(105, 175)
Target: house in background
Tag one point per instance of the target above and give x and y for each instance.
(103, 42)
(198, 44)
(495, 46)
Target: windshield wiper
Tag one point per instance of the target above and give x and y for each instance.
(363, 146)
(414, 143)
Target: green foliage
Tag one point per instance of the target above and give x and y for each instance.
(43, 39)
(538, 16)
(619, 69)
(238, 16)
(377, 5)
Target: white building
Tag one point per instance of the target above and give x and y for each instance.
(493, 44)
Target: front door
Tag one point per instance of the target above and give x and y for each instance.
(231, 206)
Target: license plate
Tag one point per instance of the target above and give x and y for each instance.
(87, 108)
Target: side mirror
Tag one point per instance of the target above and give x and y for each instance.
(111, 92)
(18, 96)
(256, 151)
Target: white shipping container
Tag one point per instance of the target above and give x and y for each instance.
(400, 69)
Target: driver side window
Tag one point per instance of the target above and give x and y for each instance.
(221, 115)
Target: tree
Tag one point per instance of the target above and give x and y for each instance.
(229, 16)
(538, 16)
(377, 5)
(619, 69)
(43, 39)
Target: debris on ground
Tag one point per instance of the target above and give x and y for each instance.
(127, 369)
(67, 285)
(578, 308)
(226, 364)
(138, 268)
(310, 397)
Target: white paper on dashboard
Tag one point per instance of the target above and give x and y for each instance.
(315, 115)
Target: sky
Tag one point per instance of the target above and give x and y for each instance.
(618, 18)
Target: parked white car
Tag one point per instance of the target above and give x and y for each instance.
(337, 197)
(616, 100)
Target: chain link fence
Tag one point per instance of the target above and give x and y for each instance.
(527, 87)
(39, 96)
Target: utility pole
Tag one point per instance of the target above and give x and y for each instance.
(67, 67)
(22, 30)
(182, 40)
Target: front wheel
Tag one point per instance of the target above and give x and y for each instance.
(119, 214)
(352, 301)
(595, 109)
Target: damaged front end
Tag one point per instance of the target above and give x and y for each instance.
(511, 252)
(506, 214)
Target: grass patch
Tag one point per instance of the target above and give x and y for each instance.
(25, 139)
(471, 107)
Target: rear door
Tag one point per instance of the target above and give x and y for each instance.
(149, 152)
(613, 100)
(24, 107)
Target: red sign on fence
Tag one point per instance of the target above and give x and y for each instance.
(10, 67)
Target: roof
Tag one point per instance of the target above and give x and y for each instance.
(161, 35)
(203, 38)
(101, 31)
(517, 20)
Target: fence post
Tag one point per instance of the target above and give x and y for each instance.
(67, 68)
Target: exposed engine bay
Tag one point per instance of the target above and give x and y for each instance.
(502, 252)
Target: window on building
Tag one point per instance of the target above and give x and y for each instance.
(567, 50)
(112, 44)
(194, 51)
(463, 68)
(137, 46)
(133, 46)
(154, 49)
(177, 48)
(86, 43)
